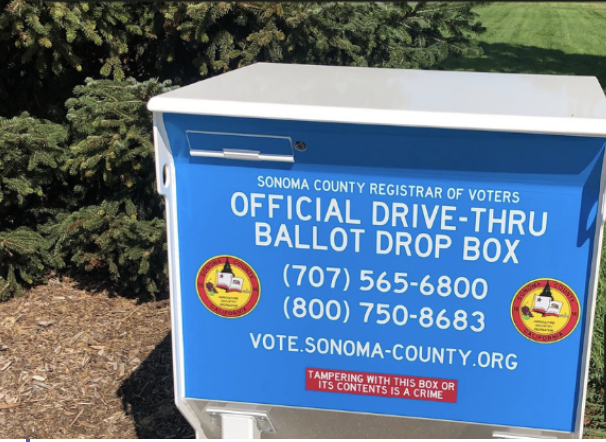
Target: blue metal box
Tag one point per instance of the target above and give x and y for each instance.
(390, 243)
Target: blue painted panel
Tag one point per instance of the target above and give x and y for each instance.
(502, 376)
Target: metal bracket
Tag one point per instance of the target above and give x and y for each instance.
(240, 423)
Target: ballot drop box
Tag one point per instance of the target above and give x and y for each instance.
(362, 252)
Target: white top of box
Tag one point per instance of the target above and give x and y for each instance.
(566, 105)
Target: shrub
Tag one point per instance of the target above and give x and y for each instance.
(50, 47)
(118, 230)
(109, 241)
(32, 191)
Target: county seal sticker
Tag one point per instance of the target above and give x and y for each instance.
(228, 286)
(545, 310)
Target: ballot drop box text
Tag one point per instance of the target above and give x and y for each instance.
(359, 252)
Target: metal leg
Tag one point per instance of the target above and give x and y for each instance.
(238, 423)
(239, 427)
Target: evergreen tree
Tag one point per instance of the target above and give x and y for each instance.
(51, 47)
(119, 230)
(363, 34)
(113, 152)
(32, 153)
(111, 221)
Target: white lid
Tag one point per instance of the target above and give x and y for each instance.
(554, 104)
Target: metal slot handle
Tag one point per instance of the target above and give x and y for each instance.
(240, 154)
(241, 146)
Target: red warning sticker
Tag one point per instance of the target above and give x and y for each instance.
(384, 385)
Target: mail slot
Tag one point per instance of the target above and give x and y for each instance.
(240, 146)
(418, 266)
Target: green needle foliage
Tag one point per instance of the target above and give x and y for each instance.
(118, 232)
(109, 242)
(51, 46)
(95, 203)
(24, 259)
(113, 150)
(104, 216)
(32, 153)
(229, 35)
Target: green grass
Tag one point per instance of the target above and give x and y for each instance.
(562, 39)
(541, 38)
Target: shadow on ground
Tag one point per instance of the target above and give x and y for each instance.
(500, 57)
(147, 395)
(97, 285)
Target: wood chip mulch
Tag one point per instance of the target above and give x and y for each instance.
(82, 363)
